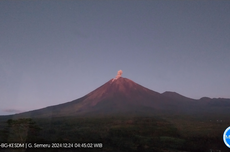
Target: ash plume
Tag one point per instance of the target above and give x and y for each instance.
(119, 73)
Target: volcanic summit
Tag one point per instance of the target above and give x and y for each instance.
(123, 96)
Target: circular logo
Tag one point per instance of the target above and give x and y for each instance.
(226, 137)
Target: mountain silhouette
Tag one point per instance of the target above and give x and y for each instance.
(123, 96)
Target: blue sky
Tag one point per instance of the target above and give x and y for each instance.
(56, 51)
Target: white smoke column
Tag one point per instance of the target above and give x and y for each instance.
(119, 73)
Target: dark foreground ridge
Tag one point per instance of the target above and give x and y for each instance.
(121, 116)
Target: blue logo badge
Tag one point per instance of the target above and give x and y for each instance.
(226, 137)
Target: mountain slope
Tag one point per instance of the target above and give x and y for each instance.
(123, 96)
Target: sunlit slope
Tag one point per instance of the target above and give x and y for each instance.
(123, 96)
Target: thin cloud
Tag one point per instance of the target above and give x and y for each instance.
(11, 111)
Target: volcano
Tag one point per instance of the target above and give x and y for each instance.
(123, 96)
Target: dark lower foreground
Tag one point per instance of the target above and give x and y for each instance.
(118, 133)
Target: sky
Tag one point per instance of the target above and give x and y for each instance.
(55, 51)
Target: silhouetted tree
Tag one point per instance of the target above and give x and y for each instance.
(21, 130)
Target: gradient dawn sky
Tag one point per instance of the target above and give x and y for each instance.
(55, 51)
